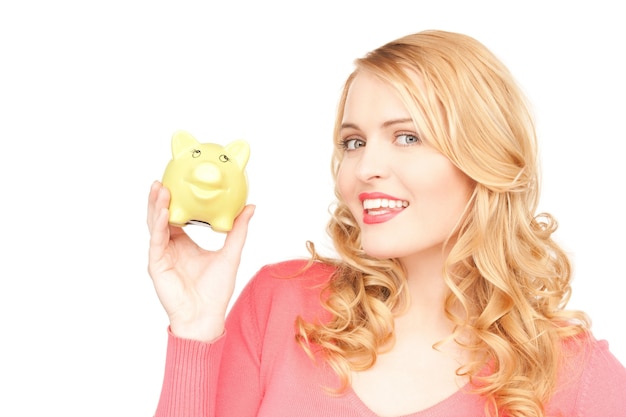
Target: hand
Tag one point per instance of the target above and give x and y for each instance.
(194, 285)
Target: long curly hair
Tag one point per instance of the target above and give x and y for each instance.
(509, 282)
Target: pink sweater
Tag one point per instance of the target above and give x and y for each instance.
(257, 369)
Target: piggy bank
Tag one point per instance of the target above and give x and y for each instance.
(207, 182)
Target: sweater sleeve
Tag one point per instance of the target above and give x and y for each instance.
(191, 375)
(220, 378)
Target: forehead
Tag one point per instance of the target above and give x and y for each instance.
(370, 96)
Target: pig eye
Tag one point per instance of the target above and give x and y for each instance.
(224, 158)
(195, 153)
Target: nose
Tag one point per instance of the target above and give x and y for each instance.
(373, 162)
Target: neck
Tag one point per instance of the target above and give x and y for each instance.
(427, 290)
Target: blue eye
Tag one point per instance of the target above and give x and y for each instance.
(352, 144)
(407, 139)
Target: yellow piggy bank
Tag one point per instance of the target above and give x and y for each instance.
(207, 182)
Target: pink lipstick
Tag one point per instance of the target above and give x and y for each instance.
(380, 207)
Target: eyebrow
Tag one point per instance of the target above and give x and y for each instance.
(385, 124)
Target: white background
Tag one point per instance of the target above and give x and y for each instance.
(90, 93)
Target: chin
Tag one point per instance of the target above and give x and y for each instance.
(382, 251)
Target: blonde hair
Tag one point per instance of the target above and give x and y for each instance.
(506, 275)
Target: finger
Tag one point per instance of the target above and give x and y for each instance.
(162, 201)
(176, 231)
(236, 238)
(152, 199)
(154, 189)
(159, 236)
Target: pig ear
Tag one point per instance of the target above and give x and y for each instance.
(182, 141)
(239, 150)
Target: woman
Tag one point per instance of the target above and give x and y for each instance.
(448, 295)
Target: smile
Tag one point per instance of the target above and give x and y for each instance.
(380, 210)
(204, 193)
(377, 203)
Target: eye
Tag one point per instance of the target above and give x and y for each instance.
(196, 153)
(352, 144)
(407, 139)
(224, 158)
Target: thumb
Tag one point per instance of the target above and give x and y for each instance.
(236, 238)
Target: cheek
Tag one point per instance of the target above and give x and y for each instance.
(459, 188)
(463, 184)
(444, 192)
(346, 187)
(343, 183)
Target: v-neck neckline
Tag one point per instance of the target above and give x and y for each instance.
(435, 410)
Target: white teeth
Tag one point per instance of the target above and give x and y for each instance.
(384, 203)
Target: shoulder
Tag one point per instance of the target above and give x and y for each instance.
(302, 270)
(296, 275)
(584, 353)
(292, 287)
(590, 377)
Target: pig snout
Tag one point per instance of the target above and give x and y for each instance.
(208, 173)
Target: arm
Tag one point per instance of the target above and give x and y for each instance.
(194, 286)
(220, 378)
(191, 377)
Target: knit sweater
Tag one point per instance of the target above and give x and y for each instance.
(256, 368)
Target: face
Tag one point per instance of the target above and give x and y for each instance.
(405, 195)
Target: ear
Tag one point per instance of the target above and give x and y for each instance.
(182, 141)
(239, 150)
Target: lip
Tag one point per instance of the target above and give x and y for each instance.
(379, 218)
(371, 196)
